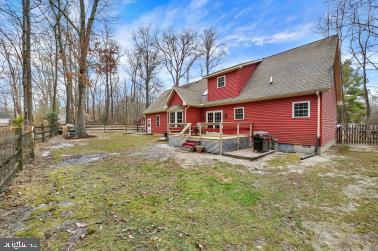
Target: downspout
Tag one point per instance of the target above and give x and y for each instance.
(317, 144)
(318, 126)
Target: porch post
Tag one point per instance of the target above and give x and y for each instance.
(221, 138)
(250, 135)
(238, 130)
(168, 132)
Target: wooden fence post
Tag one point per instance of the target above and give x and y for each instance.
(19, 152)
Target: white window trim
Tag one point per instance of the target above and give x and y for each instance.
(156, 122)
(221, 111)
(299, 102)
(235, 113)
(182, 112)
(224, 76)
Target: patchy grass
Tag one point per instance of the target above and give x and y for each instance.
(105, 143)
(134, 203)
(156, 203)
(284, 160)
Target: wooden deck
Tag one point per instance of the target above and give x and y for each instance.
(217, 136)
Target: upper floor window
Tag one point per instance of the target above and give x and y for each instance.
(221, 81)
(239, 113)
(157, 120)
(301, 109)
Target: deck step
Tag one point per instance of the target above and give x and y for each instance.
(187, 148)
(189, 145)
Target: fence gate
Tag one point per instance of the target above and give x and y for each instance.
(358, 134)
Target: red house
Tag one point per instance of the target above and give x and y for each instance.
(292, 95)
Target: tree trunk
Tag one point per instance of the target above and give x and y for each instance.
(26, 66)
(54, 99)
(107, 98)
(80, 120)
(366, 96)
(111, 98)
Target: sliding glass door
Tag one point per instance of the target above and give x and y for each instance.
(214, 117)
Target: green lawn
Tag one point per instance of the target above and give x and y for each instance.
(128, 202)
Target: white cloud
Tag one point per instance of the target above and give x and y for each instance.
(234, 32)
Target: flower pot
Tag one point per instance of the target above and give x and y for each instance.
(199, 149)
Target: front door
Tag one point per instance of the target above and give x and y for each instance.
(149, 125)
(214, 117)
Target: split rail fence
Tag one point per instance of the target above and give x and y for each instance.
(358, 135)
(127, 128)
(16, 146)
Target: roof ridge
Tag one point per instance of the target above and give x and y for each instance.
(300, 46)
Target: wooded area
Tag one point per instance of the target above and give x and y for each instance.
(55, 59)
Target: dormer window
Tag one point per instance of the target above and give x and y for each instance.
(221, 81)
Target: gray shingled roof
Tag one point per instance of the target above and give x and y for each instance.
(158, 104)
(302, 70)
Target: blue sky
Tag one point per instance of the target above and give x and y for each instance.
(248, 29)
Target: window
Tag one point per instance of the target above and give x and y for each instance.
(214, 117)
(301, 109)
(157, 120)
(239, 113)
(179, 117)
(172, 117)
(221, 81)
(175, 117)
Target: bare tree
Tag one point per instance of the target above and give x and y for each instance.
(84, 32)
(211, 51)
(149, 59)
(107, 53)
(363, 40)
(355, 22)
(180, 51)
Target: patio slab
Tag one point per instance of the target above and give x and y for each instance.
(248, 154)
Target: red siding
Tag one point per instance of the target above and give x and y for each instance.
(329, 116)
(275, 117)
(175, 100)
(193, 115)
(163, 122)
(235, 81)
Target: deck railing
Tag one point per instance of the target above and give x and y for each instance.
(175, 128)
(220, 130)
